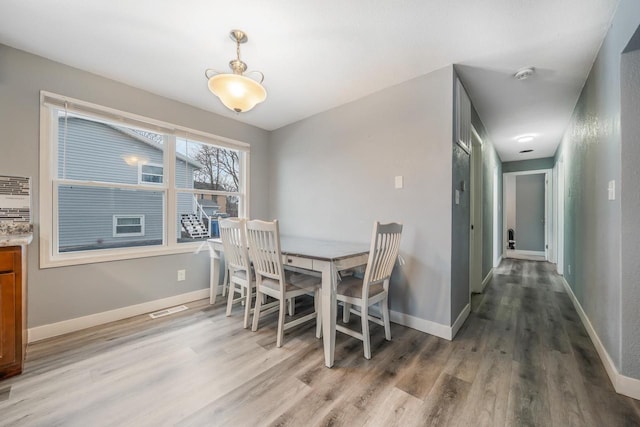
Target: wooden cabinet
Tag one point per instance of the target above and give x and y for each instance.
(12, 316)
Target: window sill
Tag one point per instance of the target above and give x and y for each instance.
(108, 255)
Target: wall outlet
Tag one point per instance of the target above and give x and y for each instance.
(182, 275)
(611, 190)
(399, 182)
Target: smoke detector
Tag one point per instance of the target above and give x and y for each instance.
(524, 73)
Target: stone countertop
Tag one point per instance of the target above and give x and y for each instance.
(16, 239)
(15, 233)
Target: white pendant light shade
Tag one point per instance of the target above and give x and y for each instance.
(237, 92)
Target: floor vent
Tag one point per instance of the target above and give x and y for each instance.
(168, 311)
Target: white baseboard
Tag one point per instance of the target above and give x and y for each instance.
(486, 280)
(460, 320)
(498, 261)
(621, 383)
(60, 328)
(429, 327)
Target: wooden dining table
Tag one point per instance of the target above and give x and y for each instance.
(324, 256)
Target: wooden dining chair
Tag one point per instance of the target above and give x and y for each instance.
(374, 287)
(264, 248)
(236, 255)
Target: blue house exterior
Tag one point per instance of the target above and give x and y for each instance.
(97, 217)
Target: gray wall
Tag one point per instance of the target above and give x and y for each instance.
(333, 176)
(490, 163)
(57, 294)
(528, 165)
(529, 230)
(460, 239)
(460, 223)
(591, 152)
(630, 203)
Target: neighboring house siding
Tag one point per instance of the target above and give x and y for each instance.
(85, 213)
(105, 161)
(87, 216)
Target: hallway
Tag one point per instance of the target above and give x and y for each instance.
(521, 359)
(556, 375)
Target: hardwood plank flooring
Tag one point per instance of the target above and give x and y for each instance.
(521, 359)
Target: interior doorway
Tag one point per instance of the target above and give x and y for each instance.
(527, 203)
(475, 226)
(559, 235)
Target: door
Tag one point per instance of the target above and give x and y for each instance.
(530, 213)
(475, 238)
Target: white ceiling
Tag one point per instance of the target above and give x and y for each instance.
(317, 55)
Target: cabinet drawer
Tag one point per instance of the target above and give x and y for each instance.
(6, 261)
(297, 262)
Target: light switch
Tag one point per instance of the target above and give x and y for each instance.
(612, 189)
(457, 197)
(399, 181)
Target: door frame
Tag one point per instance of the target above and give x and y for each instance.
(475, 214)
(560, 192)
(548, 229)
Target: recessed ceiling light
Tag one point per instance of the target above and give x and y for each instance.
(526, 151)
(524, 73)
(523, 139)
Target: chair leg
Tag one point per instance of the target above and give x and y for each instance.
(256, 311)
(385, 318)
(346, 311)
(224, 282)
(317, 303)
(247, 307)
(281, 315)
(232, 290)
(364, 313)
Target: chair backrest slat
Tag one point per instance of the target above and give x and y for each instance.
(385, 246)
(264, 247)
(234, 242)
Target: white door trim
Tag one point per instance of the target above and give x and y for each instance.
(475, 214)
(547, 173)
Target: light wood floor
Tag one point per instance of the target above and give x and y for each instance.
(522, 358)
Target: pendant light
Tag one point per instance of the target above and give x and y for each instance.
(236, 91)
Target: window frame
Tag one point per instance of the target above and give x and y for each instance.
(50, 256)
(141, 174)
(116, 225)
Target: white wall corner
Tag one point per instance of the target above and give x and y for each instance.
(487, 279)
(66, 326)
(460, 320)
(622, 384)
(422, 325)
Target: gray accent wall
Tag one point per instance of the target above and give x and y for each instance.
(57, 294)
(332, 176)
(529, 224)
(460, 223)
(591, 151)
(630, 205)
(529, 165)
(491, 171)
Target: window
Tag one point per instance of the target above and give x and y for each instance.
(124, 186)
(151, 174)
(128, 226)
(208, 181)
